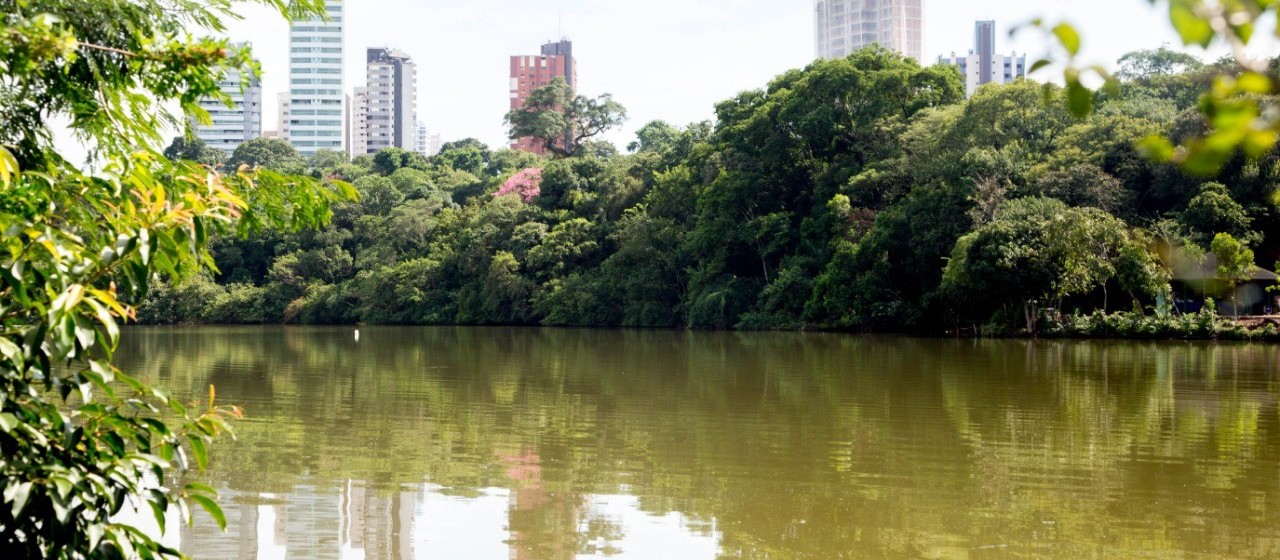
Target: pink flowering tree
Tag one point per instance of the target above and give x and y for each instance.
(527, 183)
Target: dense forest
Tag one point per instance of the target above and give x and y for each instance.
(862, 194)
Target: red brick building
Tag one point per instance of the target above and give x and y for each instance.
(529, 73)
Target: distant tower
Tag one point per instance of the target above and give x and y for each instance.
(282, 116)
(529, 73)
(841, 27)
(316, 94)
(239, 123)
(389, 112)
(984, 44)
(982, 65)
(359, 122)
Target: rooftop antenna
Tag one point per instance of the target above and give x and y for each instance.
(560, 25)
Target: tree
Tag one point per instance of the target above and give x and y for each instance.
(268, 153)
(526, 184)
(1148, 63)
(81, 440)
(1213, 211)
(1235, 264)
(1037, 251)
(656, 136)
(468, 155)
(1083, 185)
(326, 161)
(562, 120)
(194, 149)
(388, 160)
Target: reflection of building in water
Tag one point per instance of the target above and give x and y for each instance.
(543, 522)
(270, 531)
(352, 523)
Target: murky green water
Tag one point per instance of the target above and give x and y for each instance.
(548, 444)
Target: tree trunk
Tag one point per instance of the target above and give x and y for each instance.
(1029, 313)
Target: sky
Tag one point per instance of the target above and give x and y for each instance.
(662, 59)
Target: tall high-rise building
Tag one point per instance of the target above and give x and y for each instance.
(529, 73)
(428, 142)
(359, 128)
(982, 65)
(235, 124)
(282, 115)
(386, 113)
(315, 82)
(844, 26)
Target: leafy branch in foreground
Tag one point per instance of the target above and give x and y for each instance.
(82, 443)
(1241, 106)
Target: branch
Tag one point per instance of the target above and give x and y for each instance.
(103, 48)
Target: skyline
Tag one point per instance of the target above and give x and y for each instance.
(711, 51)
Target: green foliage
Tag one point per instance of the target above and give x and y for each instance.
(1235, 260)
(563, 121)
(270, 153)
(194, 149)
(1147, 64)
(1213, 211)
(834, 198)
(1040, 251)
(80, 440)
(1240, 105)
(1205, 324)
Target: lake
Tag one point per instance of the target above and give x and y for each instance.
(475, 443)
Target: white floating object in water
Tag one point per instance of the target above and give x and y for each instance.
(357, 335)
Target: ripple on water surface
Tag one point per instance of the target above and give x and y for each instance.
(547, 444)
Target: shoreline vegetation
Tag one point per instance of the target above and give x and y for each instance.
(865, 194)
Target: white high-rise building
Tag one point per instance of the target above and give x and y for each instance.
(428, 142)
(240, 122)
(387, 116)
(282, 115)
(844, 26)
(315, 83)
(982, 65)
(359, 127)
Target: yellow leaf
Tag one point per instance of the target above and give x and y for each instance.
(8, 167)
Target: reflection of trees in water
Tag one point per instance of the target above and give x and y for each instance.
(792, 445)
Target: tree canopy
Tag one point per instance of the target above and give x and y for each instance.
(562, 120)
(865, 193)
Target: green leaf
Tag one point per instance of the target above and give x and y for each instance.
(17, 495)
(1079, 99)
(200, 451)
(1069, 37)
(1258, 143)
(95, 531)
(1157, 148)
(212, 508)
(1193, 29)
(1039, 64)
(9, 350)
(199, 488)
(159, 508)
(8, 422)
(1253, 82)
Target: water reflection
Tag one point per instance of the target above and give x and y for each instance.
(551, 444)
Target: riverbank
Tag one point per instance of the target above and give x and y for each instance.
(1094, 326)
(1194, 326)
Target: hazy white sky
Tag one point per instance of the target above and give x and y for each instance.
(662, 59)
